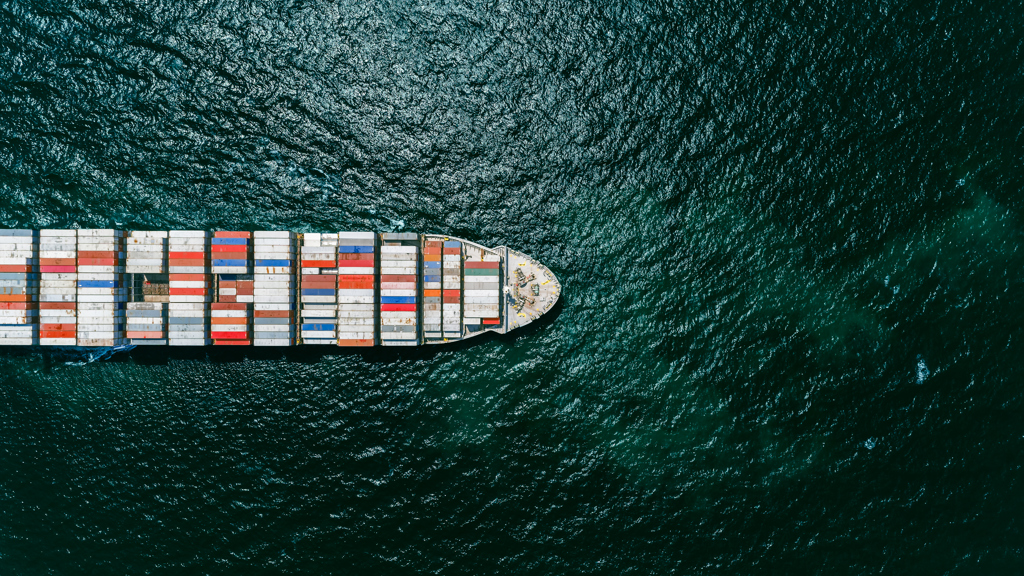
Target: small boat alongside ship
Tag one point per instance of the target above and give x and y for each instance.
(105, 288)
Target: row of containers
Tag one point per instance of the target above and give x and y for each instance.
(263, 288)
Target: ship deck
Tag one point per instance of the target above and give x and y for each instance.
(106, 288)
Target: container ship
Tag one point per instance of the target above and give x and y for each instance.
(118, 289)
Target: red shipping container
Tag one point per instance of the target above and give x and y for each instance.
(186, 255)
(453, 251)
(97, 254)
(318, 285)
(229, 299)
(17, 297)
(352, 342)
(231, 234)
(228, 248)
(58, 306)
(187, 277)
(142, 335)
(272, 313)
(58, 268)
(56, 333)
(451, 299)
(97, 262)
(318, 263)
(57, 327)
(455, 293)
(491, 321)
(397, 307)
(223, 306)
(368, 285)
(232, 342)
(57, 261)
(188, 291)
(14, 268)
(229, 335)
(18, 306)
(481, 264)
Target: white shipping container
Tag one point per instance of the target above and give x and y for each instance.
(197, 298)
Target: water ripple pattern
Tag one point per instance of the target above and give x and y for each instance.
(788, 235)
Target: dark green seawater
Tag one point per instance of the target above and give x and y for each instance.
(788, 232)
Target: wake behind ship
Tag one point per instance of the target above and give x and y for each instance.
(109, 288)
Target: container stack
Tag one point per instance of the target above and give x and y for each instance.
(274, 288)
(19, 288)
(148, 289)
(101, 289)
(357, 269)
(188, 262)
(432, 248)
(452, 297)
(399, 261)
(58, 287)
(230, 319)
(319, 289)
(482, 289)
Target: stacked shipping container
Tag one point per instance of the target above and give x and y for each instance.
(101, 289)
(58, 287)
(399, 312)
(432, 249)
(357, 261)
(319, 289)
(19, 288)
(452, 297)
(482, 289)
(148, 289)
(188, 263)
(230, 319)
(274, 283)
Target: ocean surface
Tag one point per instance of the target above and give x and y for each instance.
(788, 233)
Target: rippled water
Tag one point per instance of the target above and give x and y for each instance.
(788, 233)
